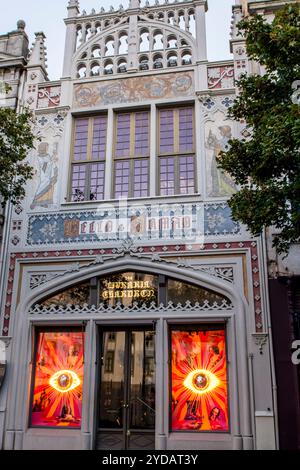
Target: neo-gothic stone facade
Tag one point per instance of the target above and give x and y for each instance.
(126, 182)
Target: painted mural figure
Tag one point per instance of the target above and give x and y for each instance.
(47, 171)
(222, 184)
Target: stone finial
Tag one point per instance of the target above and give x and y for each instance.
(237, 16)
(21, 25)
(37, 57)
(73, 8)
(133, 4)
(244, 4)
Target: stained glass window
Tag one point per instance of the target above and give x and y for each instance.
(181, 292)
(58, 379)
(129, 288)
(199, 400)
(87, 178)
(75, 295)
(176, 151)
(131, 175)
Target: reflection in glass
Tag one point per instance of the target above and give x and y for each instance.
(75, 295)
(57, 397)
(181, 292)
(142, 384)
(112, 380)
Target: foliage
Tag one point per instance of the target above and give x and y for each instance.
(266, 166)
(16, 139)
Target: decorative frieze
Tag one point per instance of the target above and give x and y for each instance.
(136, 307)
(189, 222)
(133, 89)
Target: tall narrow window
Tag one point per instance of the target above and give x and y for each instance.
(58, 379)
(131, 155)
(176, 151)
(199, 391)
(88, 163)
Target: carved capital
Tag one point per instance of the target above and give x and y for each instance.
(260, 340)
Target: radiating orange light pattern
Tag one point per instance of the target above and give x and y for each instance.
(199, 381)
(64, 381)
(211, 381)
(58, 382)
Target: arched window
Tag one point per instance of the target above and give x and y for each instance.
(172, 60)
(78, 37)
(123, 43)
(181, 20)
(81, 71)
(98, 27)
(96, 52)
(192, 24)
(172, 42)
(158, 41)
(171, 18)
(109, 46)
(144, 62)
(144, 40)
(157, 61)
(139, 288)
(122, 66)
(108, 67)
(88, 32)
(95, 69)
(186, 58)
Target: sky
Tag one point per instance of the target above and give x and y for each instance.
(47, 16)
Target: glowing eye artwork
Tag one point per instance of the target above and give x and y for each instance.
(64, 381)
(201, 381)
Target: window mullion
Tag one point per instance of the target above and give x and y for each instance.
(90, 139)
(87, 182)
(131, 178)
(176, 130)
(132, 134)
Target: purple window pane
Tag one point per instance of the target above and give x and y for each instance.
(186, 175)
(166, 137)
(78, 183)
(167, 176)
(140, 180)
(99, 138)
(97, 182)
(121, 178)
(186, 129)
(142, 134)
(123, 135)
(81, 139)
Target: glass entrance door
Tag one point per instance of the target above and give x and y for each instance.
(126, 418)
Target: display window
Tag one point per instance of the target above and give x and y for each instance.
(58, 379)
(199, 388)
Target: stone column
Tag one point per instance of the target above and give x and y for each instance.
(70, 44)
(153, 157)
(109, 155)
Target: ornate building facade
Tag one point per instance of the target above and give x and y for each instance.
(136, 311)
